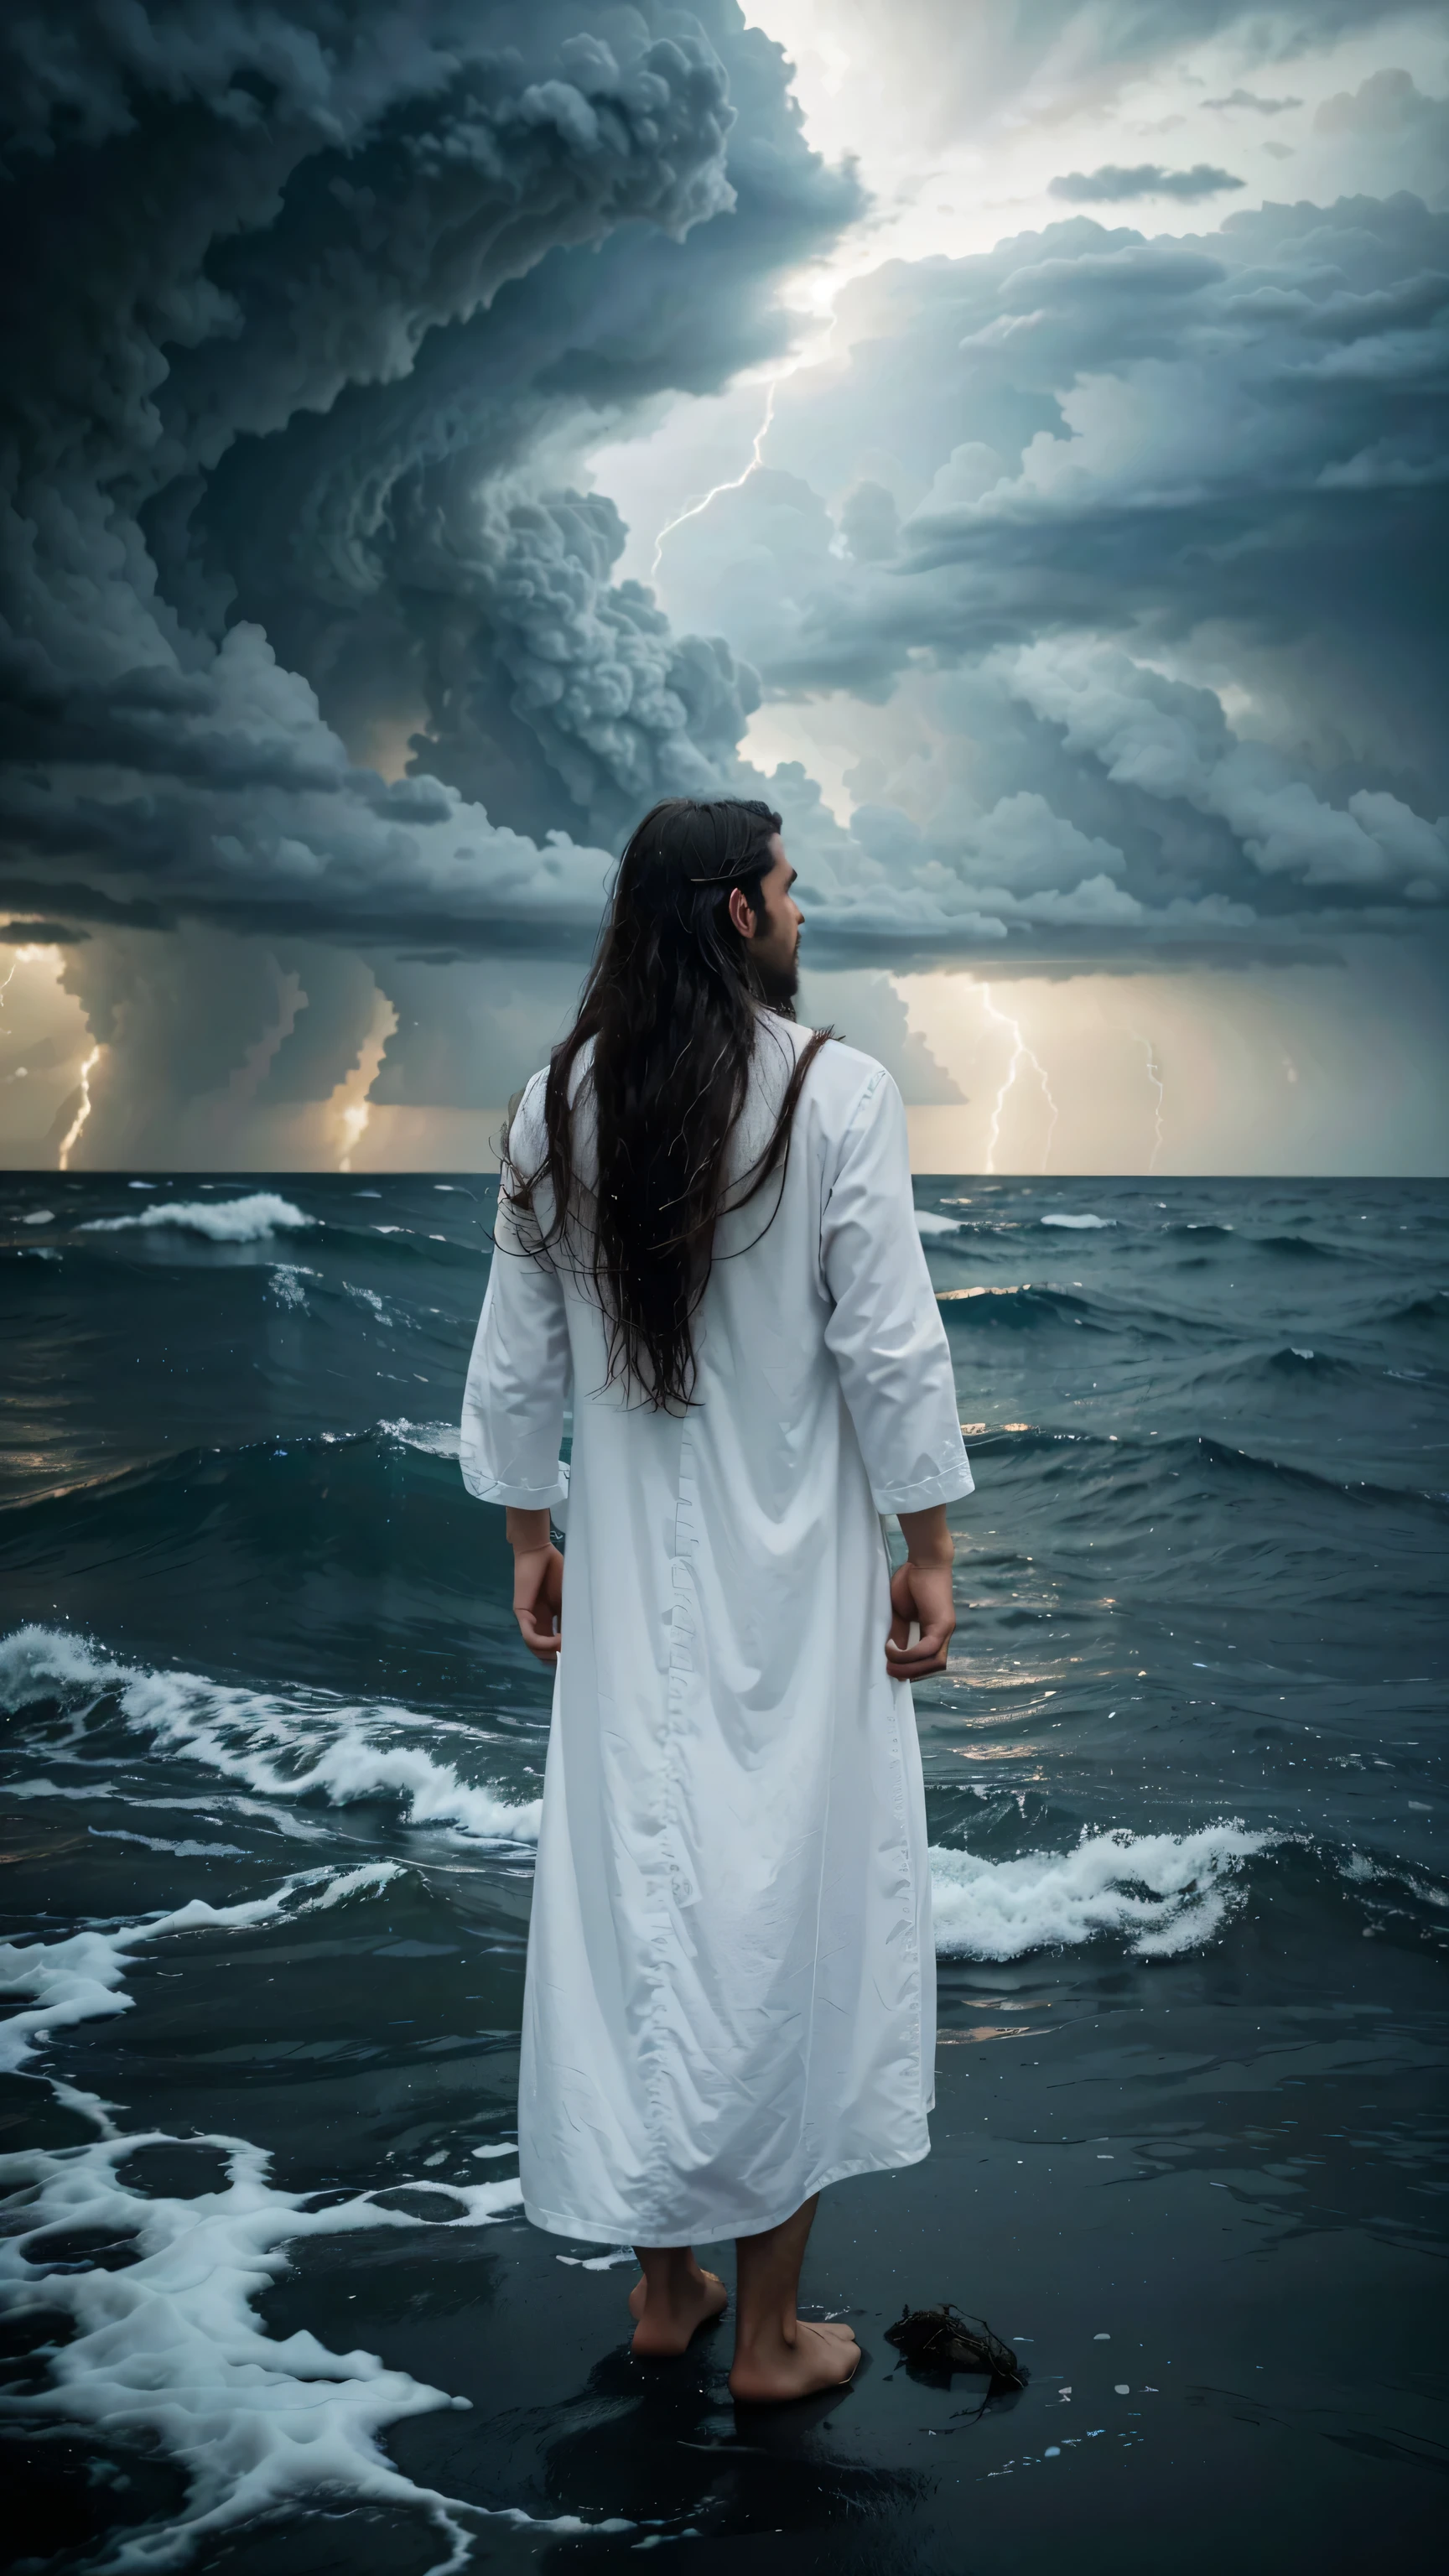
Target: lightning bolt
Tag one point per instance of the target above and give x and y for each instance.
(1021, 1054)
(1154, 1076)
(355, 1112)
(84, 1111)
(756, 460)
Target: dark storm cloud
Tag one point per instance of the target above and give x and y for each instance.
(1112, 185)
(1055, 467)
(307, 300)
(1251, 99)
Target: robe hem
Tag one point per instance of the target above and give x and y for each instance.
(714, 2230)
(948, 1488)
(522, 1498)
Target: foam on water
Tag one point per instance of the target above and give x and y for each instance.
(282, 1744)
(1168, 1892)
(167, 2348)
(436, 1439)
(927, 1223)
(245, 1220)
(1084, 1224)
(80, 1978)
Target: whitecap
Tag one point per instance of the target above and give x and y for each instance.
(39, 1216)
(283, 1744)
(168, 2349)
(1083, 1224)
(438, 1439)
(1168, 1892)
(181, 1851)
(369, 1297)
(286, 1283)
(929, 1224)
(245, 1220)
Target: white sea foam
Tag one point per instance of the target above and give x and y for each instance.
(1168, 1892)
(287, 1745)
(180, 1851)
(246, 1220)
(286, 1283)
(1083, 1224)
(929, 1223)
(168, 2349)
(39, 1216)
(439, 1439)
(80, 1979)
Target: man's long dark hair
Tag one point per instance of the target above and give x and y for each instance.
(672, 1005)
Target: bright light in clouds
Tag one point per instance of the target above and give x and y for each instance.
(872, 75)
(960, 122)
(1223, 1091)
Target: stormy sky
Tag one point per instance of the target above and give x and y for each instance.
(1009, 434)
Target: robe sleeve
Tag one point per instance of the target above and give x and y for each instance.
(886, 1333)
(518, 1376)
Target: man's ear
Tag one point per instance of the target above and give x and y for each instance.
(741, 914)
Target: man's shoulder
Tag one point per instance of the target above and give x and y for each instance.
(843, 1073)
(838, 1075)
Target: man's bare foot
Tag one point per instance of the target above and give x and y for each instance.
(665, 2321)
(796, 2362)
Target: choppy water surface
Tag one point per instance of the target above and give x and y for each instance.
(271, 1761)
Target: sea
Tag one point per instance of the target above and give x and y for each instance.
(272, 1758)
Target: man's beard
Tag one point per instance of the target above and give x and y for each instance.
(778, 985)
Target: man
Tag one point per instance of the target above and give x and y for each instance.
(705, 1227)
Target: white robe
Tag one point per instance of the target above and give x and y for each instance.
(730, 1996)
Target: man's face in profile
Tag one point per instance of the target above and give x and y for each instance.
(774, 932)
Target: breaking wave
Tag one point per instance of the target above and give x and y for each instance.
(245, 1220)
(1166, 1892)
(291, 1745)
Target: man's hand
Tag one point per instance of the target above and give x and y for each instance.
(537, 1583)
(921, 1596)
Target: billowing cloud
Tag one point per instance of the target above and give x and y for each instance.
(316, 305)
(1113, 185)
(1169, 509)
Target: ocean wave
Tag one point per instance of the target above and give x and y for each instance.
(1084, 1224)
(1021, 1307)
(288, 1745)
(1433, 1309)
(1297, 1246)
(928, 1223)
(80, 1979)
(245, 1220)
(1305, 1480)
(165, 2347)
(1168, 1892)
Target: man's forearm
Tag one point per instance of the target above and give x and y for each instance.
(928, 1540)
(530, 1530)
